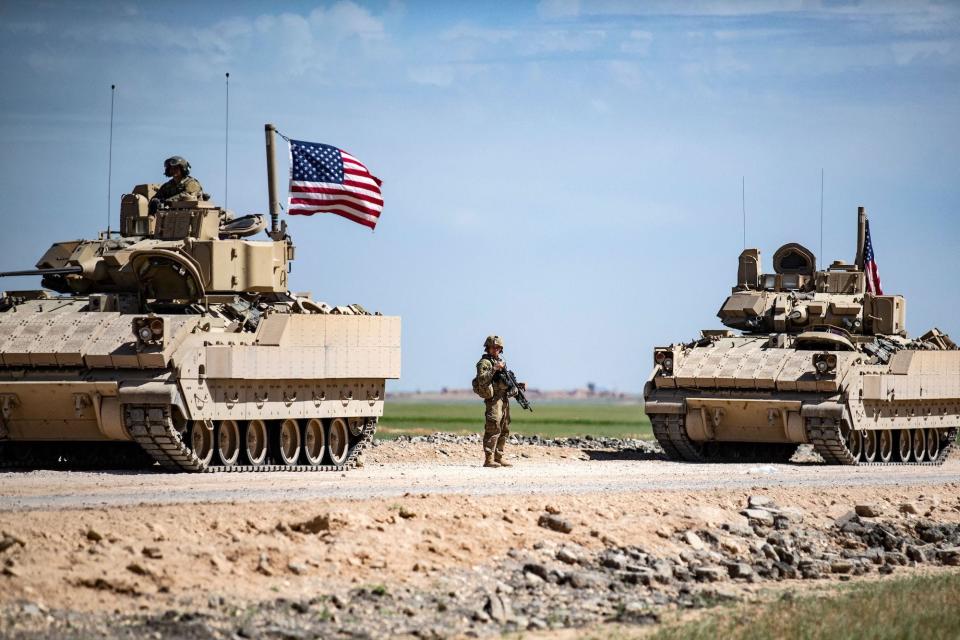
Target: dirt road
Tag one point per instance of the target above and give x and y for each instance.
(545, 472)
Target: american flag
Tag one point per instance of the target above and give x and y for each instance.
(870, 265)
(325, 179)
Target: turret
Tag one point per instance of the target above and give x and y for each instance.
(797, 297)
(182, 253)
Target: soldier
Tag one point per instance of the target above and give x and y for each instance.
(180, 186)
(496, 392)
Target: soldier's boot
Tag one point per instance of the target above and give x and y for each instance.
(489, 461)
(500, 460)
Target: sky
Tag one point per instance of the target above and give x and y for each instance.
(569, 175)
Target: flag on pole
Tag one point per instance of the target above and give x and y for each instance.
(325, 179)
(870, 265)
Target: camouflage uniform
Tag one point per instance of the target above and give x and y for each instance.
(496, 427)
(186, 188)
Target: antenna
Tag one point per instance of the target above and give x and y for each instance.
(226, 145)
(743, 204)
(113, 91)
(821, 214)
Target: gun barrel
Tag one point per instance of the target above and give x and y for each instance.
(42, 272)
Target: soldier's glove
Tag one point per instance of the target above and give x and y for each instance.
(522, 385)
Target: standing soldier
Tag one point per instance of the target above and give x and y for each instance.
(180, 186)
(495, 391)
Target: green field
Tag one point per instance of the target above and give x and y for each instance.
(549, 419)
(918, 607)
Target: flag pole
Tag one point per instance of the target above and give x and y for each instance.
(269, 130)
(861, 235)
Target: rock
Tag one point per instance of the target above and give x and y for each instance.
(406, 514)
(664, 532)
(758, 516)
(313, 525)
(263, 565)
(153, 553)
(138, 569)
(949, 556)
(499, 609)
(8, 540)
(895, 557)
(868, 510)
(916, 554)
(663, 571)
(566, 555)
(297, 568)
(841, 566)
(759, 501)
(710, 574)
(769, 551)
(11, 571)
(94, 535)
(614, 561)
(586, 580)
(848, 517)
(551, 509)
(693, 540)
(555, 523)
(909, 508)
(739, 570)
(537, 569)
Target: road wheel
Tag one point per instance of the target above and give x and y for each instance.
(933, 444)
(314, 442)
(905, 445)
(855, 443)
(228, 442)
(201, 440)
(255, 443)
(869, 445)
(886, 445)
(287, 442)
(338, 441)
(919, 445)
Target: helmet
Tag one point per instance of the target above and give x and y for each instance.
(176, 161)
(493, 341)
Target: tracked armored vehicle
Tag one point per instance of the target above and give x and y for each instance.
(817, 359)
(178, 342)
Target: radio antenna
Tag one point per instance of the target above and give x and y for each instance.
(226, 146)
(821, 213)
(113, 91)
(743, 205)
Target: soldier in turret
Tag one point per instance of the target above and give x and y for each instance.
(491, 385)
(180, 186)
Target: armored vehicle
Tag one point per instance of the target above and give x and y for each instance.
(177, 341)
(818, 359)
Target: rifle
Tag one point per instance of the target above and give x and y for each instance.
(515, 389)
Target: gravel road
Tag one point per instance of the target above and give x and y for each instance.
(58, 490)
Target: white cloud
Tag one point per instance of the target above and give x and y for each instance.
(907, 52)
(637, 42)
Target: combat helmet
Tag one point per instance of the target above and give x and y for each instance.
(493, 340)
(176, 161)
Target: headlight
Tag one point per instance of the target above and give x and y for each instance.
(825, 363)
(148, 330)
(664, 358)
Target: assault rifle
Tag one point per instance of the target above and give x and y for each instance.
(511, 379)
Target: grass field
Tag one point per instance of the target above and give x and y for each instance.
(549, 419)
(918, 607)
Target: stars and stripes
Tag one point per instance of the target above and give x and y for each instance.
(325, 179)
(870, 265)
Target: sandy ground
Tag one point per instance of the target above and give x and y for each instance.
(143, 542)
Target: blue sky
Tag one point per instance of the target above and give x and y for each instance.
(564, 174)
